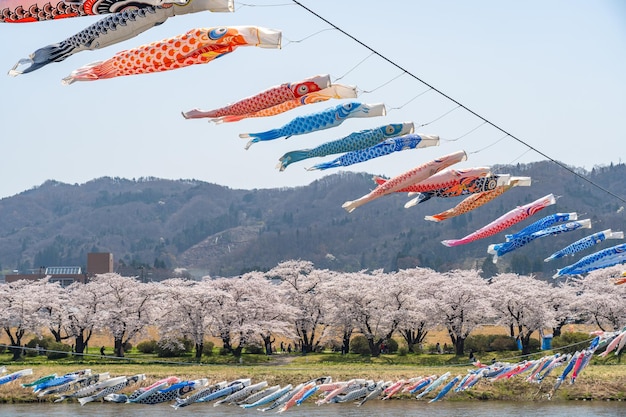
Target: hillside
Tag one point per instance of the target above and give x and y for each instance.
(210, 229)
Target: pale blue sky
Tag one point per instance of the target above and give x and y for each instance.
(550, 72)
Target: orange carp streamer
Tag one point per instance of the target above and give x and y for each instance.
(336, 91)
(476, 200)
(198, 46)
(265, 99)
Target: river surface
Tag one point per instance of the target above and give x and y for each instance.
(373, 408)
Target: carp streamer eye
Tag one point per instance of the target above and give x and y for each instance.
(217, 33)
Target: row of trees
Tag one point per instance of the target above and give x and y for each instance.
(314, 307)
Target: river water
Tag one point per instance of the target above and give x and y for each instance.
(401, 408)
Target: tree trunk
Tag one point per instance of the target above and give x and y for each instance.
(457, 341)
(226, 343)
(17, 353)
(374, 347)
(237, 351)
(199, 350)
(413, 337)
(306, 342)
(525, 339)
(459, 346)
(16, 343)
(267, 341)
(118, 348)
(409, 338)
(57, 334)
(345, 348)
(79, 342)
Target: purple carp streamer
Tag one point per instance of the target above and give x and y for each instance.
(500, 249)
(354, 141)
(325, 119)
(410, 141)
(614, 255)
(505, 221)
(25, 11)
(108, 31)
(197, 46)
(585, 243)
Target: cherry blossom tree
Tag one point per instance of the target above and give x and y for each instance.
(375, 302)
(523, 302)
(302, 285)
(84, 312)
(416, 317)
(127, 307)
(271, 315)
(339, 314)
(54, 299)
(600, 301)
(234, 302)
(21, 312)
(186, 311)
(461, 302)
(562, 299)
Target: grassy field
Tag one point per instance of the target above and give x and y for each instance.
(602, 380)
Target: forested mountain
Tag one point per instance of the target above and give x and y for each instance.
(210, 229)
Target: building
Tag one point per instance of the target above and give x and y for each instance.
(97, 263)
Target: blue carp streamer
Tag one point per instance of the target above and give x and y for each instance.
(542, 224)
(585, 243)
(354, 141)
(500, 249)
(325, 119)
(614, 255)
(410, 141)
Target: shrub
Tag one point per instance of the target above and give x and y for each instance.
(254, 349)
(403, 351)
(207, 348)
(3, 348)
(391, 346)
(173, 348)
(418, 348)
(479, 342)
(127, 347)
(147, 346)
(333, 345)
(490, 343)
(534, 345)
(431, 348)
(565, 340)
(501, 343)
(57, 350)
(43, 342)
(359, 345)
